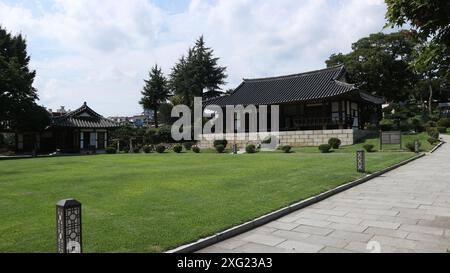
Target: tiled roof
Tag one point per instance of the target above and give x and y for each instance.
(319, 84)
(83, 117)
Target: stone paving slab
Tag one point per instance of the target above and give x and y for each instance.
(403, 211)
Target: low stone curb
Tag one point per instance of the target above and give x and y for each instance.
(437, 147)
(221, 236)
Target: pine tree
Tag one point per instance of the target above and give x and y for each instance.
(197, 74)
(155, 91)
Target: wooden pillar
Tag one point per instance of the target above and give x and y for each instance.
(81, 140)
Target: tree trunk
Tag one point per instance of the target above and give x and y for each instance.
(430, 100)
(155, 115)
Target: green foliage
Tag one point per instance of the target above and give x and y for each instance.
(369, 148)
(148, 149)
(380, 63)
(195, 72)
(411, 146)
(219, 148)
(188, 145)
(160, 148)
(433, 132)
(250, 149)
(136, 149)
(110, 150)
(444, 122)
(155, 91)
(286, 148)
(222, 142)
(432, 140)
(325, 148)
(177, 148)
(334, 142)
(442, 130)
(18, 97)
(386, 125)
(196, 149)
(430, 20)
(267, 140)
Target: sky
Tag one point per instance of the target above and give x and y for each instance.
(100, 51)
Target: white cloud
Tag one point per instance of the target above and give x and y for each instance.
(100, 51)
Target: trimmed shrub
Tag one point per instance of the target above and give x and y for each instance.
(136, 150)
(433, 132)
(442, 130)
(444, 122)
(369, 148)
(334, 142)
(386, 124)
(286, 148)
(148, 149)
(188, 145)
(196, 149)
(160, 148)
(430, 124)
(411, 146)
(250, 149)
(177, 148)
(432, 140)
(110, 150)
(222, 142)
(325, 148)
(219, 148)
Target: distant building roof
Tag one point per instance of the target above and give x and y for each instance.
(313, 85)
(83, 117)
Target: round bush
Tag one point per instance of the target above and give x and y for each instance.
(160, 149)
(148, 149)
(286, 148)
(110, 150)
(369, 148)
(222, 142)
(325, 148)
(177, 148)
(411, 146)
(432, 140)
(431, 124)
(444, 122)
(136, 150)
(250, 149)
(196, 149)
(188, 145)
(433, 132)
(386, 124)
(334, 142)
(442, 130)
(220, 148)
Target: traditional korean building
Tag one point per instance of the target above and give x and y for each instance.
(317, 102)
(80, 131)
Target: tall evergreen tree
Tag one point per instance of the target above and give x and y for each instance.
(17, 94)
(197, 74)
(155, 91)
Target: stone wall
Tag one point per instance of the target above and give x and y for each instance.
(293, 138)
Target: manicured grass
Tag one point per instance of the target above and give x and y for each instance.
(375, 141)
(154, 202)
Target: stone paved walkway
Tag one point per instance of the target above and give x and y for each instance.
(405, 210)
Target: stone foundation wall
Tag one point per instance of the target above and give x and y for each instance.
(293, 138)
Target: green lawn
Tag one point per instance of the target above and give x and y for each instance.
(375, 140)
(154, 202)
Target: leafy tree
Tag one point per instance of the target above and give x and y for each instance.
(155, 91)
(17, 93)
(379, 64)
(197, 74)
(431, 20)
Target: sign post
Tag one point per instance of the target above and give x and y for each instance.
(360, 161)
